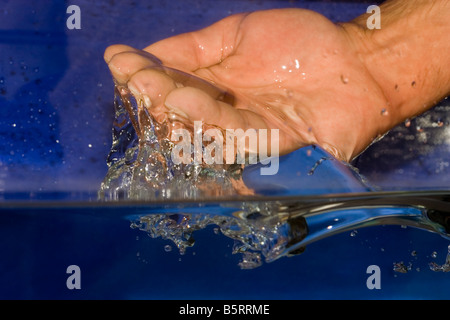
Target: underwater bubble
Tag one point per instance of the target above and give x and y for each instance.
(444, 267)
(401, 267)
(250, 260)
(167, 248)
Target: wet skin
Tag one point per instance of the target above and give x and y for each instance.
(290, 69)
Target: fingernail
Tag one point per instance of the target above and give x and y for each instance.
(147, 101)
(175, 110)
(133, 90)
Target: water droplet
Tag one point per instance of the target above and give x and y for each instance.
(414, 253)
(396, 87)
(353, 233)
(407, 123)
(344, 79)
(167, 248)
(413, 84)
(434, 254)
(400, 267)
(384, 112)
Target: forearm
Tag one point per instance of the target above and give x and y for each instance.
(409, 57)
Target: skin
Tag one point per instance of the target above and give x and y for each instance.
(339, 86)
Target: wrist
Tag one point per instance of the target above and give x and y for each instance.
(408, 57)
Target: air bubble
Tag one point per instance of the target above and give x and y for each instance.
(167, 248)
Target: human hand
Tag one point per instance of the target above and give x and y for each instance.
(289, 69)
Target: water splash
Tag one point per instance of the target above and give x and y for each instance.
(444, 267)
(267, 231)
(258, 235)
(140, 165)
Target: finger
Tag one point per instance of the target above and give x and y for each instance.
(199, 49)
(196, 105)
(125, 61)
(112, 50)
(151, 87)
(189, 80)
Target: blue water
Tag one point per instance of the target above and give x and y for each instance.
(56, 113)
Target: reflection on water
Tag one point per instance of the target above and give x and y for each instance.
(256, 234)
(267, 231)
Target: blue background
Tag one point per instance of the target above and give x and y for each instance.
(56, 114)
